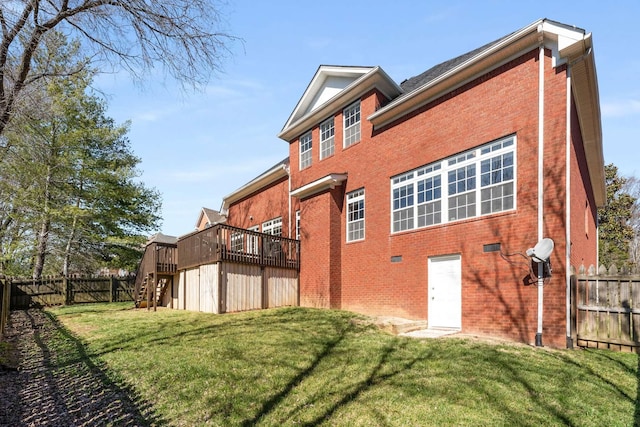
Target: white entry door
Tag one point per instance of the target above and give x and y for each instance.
(445, 292)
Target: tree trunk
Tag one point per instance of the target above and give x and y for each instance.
(67, 248)
(43, 236)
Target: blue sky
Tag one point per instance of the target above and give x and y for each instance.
(198, 147)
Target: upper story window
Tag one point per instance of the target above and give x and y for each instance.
(327, 130)
(273, 227)
(305, 150)
(351, 124)
(450, 190)
(355, 215)
(297, 225)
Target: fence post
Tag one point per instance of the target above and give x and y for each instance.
(114, 287)
(5, 303)
(573, 295)
(66, 286)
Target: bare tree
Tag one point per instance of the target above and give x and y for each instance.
(183, 36)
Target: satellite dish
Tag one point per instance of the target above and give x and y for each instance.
(542, 251)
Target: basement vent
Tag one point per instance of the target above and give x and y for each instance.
(492, 247)
(397, 258)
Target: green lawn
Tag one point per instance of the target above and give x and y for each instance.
(297, 366)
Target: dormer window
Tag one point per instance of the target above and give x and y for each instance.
(305, 150)
(327, 130)
(351, 124)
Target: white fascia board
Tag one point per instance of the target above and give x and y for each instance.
(325, 183)
(376, 78)
(317, 82)
(254, 185)
(457, 76)
(585, 91)
(564, 41)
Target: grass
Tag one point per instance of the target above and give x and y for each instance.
(297, 366)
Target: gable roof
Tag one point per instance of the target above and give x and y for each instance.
(331, 89)
(212, 216)
(161, 238)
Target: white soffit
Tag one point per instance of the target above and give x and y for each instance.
(325, 183)
(326, 83)
(332, 89)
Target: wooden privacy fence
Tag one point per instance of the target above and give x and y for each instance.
(607, 309)
(61, 290)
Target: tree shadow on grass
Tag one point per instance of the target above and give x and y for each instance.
(67, 387)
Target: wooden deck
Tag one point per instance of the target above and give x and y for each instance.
(225, 243)
(220, 269)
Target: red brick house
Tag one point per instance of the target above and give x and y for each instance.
(416, 200)
(420, 199)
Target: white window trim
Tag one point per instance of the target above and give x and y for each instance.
(297, 225)
(269, 226)
(310, 150)
(466, 158)
(354, 197)
(345, 128)
(253, 247)
(324, 142)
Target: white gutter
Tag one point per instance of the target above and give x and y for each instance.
(288, 169)
(567, 201)
(540, 188)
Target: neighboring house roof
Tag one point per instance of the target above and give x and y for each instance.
(271, 175)
(162, 238)
(212, 217)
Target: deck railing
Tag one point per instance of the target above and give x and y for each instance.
(226, 243)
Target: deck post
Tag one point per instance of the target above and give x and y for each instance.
(148, 293)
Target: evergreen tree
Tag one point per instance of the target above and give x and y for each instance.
(614, 219)
(69, 189)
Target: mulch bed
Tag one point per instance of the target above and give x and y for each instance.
(47, 379)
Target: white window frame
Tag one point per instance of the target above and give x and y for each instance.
(482, 180)
(273, 227)
(351, 119)
(306, 150)
(237, 241)
(356, 215)
(297, 225)
(327, 138)
(253, 245)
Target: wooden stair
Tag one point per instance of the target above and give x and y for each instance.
(160, 289)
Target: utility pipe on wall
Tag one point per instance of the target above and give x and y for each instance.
(567, 221)
(538, 339)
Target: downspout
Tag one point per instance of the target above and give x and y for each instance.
(538, 339)
(567, 250)
(288, 169)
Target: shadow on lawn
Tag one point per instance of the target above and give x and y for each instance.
(66, 386)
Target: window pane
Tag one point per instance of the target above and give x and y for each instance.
(351, 124)
(327, 130)
(355, 215)
(305, 150)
